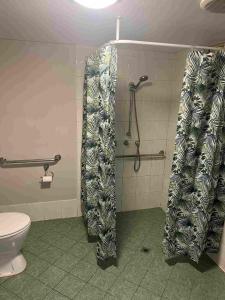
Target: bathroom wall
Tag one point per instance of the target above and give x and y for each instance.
(157, 108)
(40, 116)
(178, 73)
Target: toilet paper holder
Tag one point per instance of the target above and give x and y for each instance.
(47, 179)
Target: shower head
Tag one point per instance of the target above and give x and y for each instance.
(141, 79)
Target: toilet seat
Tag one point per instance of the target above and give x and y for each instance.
(12, 223)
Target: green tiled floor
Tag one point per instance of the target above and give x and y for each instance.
(62, 265)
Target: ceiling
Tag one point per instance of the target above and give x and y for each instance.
(64, 21)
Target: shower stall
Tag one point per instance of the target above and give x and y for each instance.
(129, 149)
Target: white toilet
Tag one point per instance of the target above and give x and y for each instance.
(14, 228)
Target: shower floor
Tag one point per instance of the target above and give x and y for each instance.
(62, 265)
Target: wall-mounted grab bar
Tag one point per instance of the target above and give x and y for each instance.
(160, 155)
(4, 163)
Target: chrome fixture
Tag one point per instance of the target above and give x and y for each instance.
(4, 163)
(133, 88)
(156, 156)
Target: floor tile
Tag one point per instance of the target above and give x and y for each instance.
(49, 237)
(17, 283)
(76, 235)
(73, 220)
(62, 227)
(123, 289)
(143, 259)
(2, 279)
(51, 254)
(90, 292)
(70, 286)
(6, 295)
(52, 276)
(53, 295)
(91, 258)
(133, 274)
(35, 265)
(62, 243)
(54, 248)
(84, 270)
(114, 270)
(204, 291)
(221, 295)
(37, 229)
(35, 246)
(155, 285)
(80, 249)
(176, 291)
(144, 294)
(66, 262)
(185, 273)
(103, 280)
(108, 296)
(125, 256)
(26, 287)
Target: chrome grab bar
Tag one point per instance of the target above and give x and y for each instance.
(160, 155)
(4, 163)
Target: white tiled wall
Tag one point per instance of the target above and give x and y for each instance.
(178, 73)
(157, 104)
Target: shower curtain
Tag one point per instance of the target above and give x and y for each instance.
(196, 201)
(98, 153)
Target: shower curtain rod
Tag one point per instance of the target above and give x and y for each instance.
(146, 43)
(117, 42)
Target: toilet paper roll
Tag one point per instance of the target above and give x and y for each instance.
(47, 178)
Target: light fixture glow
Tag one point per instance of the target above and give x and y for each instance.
(96, 4)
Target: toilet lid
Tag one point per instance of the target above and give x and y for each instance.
(12, 222)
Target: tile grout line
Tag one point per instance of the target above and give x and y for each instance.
(139, 284)
(37, 278)
(12, 293)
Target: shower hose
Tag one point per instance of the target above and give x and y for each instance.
(137, 159)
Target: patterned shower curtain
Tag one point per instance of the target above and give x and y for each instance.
(196, 202)
(98, 153)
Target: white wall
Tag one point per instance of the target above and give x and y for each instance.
(40, 116)
(178, 73)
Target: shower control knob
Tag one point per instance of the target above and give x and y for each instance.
(126, 143)
(137, 143)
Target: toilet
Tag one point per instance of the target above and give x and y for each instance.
(14, 228)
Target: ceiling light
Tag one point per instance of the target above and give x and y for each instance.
(96, 4)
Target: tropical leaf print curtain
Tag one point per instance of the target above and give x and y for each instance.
(98, 153)
(196, 202)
